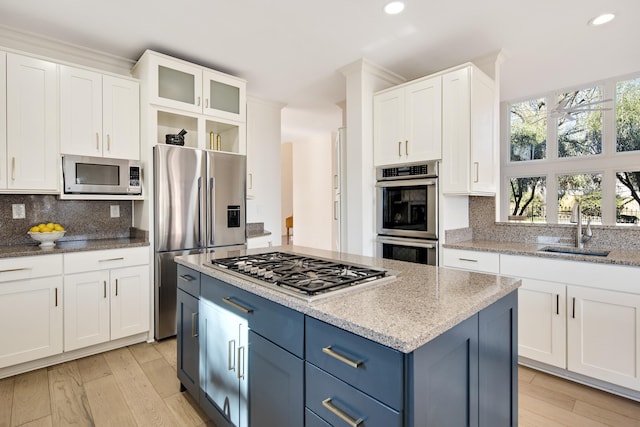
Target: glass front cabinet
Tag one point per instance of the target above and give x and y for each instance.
(208, 104)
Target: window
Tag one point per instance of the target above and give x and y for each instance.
(628, 197)
(529, 130)
(628, 115)
(579, 123)
(583, 188)
(527, 199)
(580, 144)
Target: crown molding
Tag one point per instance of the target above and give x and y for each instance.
(368, 67)
(62, 52)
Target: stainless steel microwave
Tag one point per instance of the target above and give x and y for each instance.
(98, 175)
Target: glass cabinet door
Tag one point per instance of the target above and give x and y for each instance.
(179, 85)
(224, 96)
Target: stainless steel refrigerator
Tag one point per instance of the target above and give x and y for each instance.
(199, 206)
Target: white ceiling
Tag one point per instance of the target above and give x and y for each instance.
(290, 50)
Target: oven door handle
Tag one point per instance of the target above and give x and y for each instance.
(406, 183)
(407, 242)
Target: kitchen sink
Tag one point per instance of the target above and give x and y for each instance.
(574, 251)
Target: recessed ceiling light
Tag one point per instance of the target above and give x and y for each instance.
(394, 7)
(602, 19)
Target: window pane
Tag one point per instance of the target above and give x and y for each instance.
(585, 188)
(529, 130)
(628, 197)
(527, 198)
(628, 115)
(579, 123)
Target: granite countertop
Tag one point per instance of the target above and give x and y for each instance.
(256, 229)
(71, 246)
(419, 305)
(615, 256)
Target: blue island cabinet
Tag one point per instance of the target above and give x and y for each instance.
(467, 376)
(274, 359)
(187, 340)
(304, 372)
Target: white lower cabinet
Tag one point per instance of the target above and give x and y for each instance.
(108, 302)
(580, 316)
(542, 322)
(603, 338)
(30, 308)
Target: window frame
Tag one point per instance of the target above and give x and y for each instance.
(608, 162)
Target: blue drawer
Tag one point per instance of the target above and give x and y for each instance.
(312, 420)
(380, 369)
(189, 281)
(326, 396)
(277, 323)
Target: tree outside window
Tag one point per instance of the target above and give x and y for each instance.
(528, 130)
(580, 133)
(527, 199)
(628, 115)
(585, 188)
(628, 197)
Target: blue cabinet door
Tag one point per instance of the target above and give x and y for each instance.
(444, 379)
(276, 385)
(187, 342)
(498, 360)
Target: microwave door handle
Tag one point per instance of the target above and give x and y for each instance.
(212, 207)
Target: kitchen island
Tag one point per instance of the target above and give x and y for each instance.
(432, 347)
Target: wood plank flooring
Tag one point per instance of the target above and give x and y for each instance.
(137, 386)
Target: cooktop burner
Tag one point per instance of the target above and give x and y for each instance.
(303, 274)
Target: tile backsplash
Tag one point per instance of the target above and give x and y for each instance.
(82, 219)
(483, 227)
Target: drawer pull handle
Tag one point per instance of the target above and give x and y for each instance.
(104, 289)
(188, 278)
(56, 297)
(468, 259)
(331, 352)
(227, 300)
(111, 259)
(14, 269)
(328, 403)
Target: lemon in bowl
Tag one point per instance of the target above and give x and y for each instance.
(46, 234)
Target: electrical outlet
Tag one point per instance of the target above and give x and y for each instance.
(18, 211)
(115, 211)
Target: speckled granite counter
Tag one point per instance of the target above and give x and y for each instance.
(72, 246)
(616, 256)
(419, 305)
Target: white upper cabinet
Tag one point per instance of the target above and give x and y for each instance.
(468, 137)
(32, 152)
(189, 87)
(408, 123)
(210, 106)
(99, 114)
(3, 120)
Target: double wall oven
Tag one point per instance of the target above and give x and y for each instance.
(407, 212)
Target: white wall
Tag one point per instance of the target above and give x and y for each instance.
(287, 183)
(312, 193)
(263, 160)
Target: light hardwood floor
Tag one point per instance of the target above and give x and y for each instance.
(137, 386)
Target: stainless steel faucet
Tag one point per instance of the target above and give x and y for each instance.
(576, 217)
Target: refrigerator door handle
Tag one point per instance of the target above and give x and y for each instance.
(212, 207)
(199, 218)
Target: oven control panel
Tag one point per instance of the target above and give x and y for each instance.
(412, 170)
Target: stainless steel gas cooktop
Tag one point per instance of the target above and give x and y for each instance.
(305, 277)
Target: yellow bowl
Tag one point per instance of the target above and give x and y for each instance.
(47, 240)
